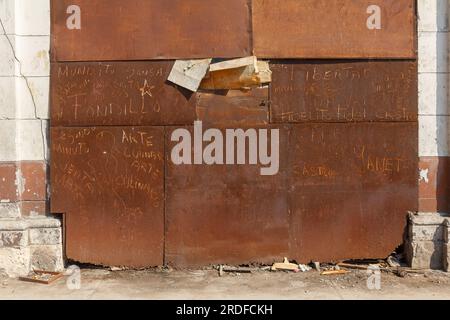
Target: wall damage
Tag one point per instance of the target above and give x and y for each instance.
(345, 104)
(347, 130)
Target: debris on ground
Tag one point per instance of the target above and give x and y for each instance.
(334, 272)
(393, 266)
(115, 269)
(285, 266)
(401, 273)
(371, 265)
(42, 277)
(167, 269)
(394, 261)
(281, 266)
(226, 269)
(304, 267)
(257, 285)
(352, 266)
(189, 73)
(402, 270)
(316, 266)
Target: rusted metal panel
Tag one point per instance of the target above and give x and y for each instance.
(334, 29)
(225, 213)
(109, 181)
(234, 108)
(344, 91)
(343, 191)
(150, 29)
(352, 186)
(118, 93)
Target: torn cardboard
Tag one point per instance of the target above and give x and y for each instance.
(237, 74)
(189, 73)
(234, 64)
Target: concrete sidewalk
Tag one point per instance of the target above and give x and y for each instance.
(206, 284)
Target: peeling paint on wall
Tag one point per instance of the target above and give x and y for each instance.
(19, 182)
(424, 175)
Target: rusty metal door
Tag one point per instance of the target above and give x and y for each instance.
(348, 131)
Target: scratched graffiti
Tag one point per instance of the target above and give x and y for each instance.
(110, 179)
(351, 186)
(348, 131)
(118, 93)
(339, 91)
(342, 192)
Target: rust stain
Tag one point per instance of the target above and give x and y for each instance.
(348, 132)
(343, 192)
(151, 29)
(118, 93)
(109, 181)
(333, 29)
(225, 213)
(344, 91)
(234, 107)
(351, 188)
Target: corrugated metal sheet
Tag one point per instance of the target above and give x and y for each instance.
(344, 91)
(151, 29)
(109, 181)
(333, 29)
(118, 93)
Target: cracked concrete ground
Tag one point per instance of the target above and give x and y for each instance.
(206, 284)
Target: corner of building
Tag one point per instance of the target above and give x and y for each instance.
(29, 237)
(426, 246)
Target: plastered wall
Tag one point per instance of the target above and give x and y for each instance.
(434, 106)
